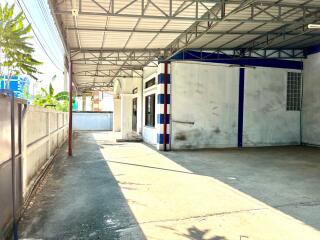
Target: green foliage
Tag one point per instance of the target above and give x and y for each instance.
(25, 93)
(15, 47)
(49, 99)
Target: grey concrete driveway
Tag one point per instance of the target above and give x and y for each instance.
(112, 190)
(80, 199)
(286, 178)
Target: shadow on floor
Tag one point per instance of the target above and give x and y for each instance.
(195, 233)
(286, 178)
(79, 199)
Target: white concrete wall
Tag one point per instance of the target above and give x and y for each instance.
(149, 134)
(311, 101)
(88, 106)
(44, 131)
(123, 106)
(266, 119)
(92, 121)
(204, 105)
(107, 102)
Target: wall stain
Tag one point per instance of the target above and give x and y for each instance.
(217, 130)
(180, 137)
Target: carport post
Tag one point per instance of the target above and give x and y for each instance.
(70, 110)
(241, 105)
(165, 106)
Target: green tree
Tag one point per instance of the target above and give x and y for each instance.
(48, 98)
(15, 47)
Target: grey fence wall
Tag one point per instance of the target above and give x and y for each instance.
(45, 131)
(92, 121)
(38, 134)
(6, 164)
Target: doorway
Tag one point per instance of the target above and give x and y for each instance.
(134, 114)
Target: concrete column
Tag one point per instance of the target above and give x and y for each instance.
(116, 115)
(140, 107)
(84, 102)
(126, 115)
(162, 106)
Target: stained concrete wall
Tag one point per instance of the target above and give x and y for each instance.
(204, 105)
(311, 101)
(266, 119)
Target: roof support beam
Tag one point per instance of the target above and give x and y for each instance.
(131, 66)
(264, 41)
(237, 53)
(136, 57)
(109, 73)
(97, 86)
(253, 15)
(118, 59)
(198, 29)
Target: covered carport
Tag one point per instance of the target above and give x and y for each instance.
(216, 76)
(116, 45)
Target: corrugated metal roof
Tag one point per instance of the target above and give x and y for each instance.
(120, 28)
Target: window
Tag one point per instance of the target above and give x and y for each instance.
(294, 91)
(150, 83)
(150, 110)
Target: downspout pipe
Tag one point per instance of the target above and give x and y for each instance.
(241, 105)
(70, 110)
(141, 105)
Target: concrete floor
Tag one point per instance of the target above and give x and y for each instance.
(79, 199)
(114, 190)
(286, 178)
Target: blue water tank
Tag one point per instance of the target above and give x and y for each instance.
(17, 84)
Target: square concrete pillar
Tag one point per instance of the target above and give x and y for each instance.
(84, 103)
(116, 115)
(126, 115)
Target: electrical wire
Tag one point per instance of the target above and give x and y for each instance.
(50, 24)
(38, 39)
(46, 17)
(36, 35)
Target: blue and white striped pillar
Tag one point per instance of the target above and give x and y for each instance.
(163, 106)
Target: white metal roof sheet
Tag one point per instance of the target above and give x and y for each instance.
(92, 29)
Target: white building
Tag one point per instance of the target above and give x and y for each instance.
(222, 103)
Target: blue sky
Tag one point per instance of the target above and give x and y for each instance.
(47, 43)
